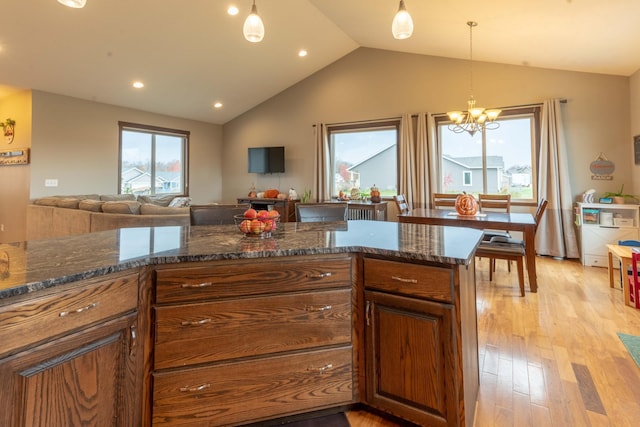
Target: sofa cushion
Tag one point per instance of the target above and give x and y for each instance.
(46, 201)
(151, 209)
(117, 197)
(158, 200)
(67, 202)
(121, 207)
(90, 205)
(180, 202)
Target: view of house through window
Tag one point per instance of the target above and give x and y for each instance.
(152, 161)
(364, 156)
(504, 164)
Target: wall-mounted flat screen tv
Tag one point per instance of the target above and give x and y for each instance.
(266, 159)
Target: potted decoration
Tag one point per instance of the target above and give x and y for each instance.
(619, 197)
(375, 194)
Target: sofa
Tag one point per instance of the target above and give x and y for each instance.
(58, 216)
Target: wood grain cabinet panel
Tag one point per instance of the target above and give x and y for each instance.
(239, 392)
(217, 330)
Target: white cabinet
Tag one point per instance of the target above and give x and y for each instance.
(601, 224)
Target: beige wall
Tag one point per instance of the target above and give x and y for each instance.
(14, 179)
(76, 142)
(635, 124)
(372, 84)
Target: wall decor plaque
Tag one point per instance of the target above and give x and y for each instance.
(14, 157)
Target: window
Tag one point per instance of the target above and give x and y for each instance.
(364, 155)
(500, 161)
(152, 160)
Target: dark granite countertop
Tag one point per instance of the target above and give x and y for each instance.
(29, 266)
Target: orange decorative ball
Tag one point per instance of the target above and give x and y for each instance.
(466, 204)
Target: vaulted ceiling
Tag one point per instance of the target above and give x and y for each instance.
(191, 53)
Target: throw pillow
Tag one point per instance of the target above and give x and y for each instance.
(90, 205)
(151, 209)
(122, 207)
(180, 202)
(67, 202)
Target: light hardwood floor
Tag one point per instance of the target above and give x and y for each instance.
(551, 358)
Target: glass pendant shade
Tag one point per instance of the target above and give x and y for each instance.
(78, 4)
(402, 26)
(253, 27)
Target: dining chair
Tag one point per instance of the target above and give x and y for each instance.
(321, 212)
(509, 248)
(495, 203)
(633, 243)
(215, 214)
(401, 203)
(634, 282)
(444, 200)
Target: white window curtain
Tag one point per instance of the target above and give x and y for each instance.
(406, 159)
(416, 155)
(322, 166)
(555, 235)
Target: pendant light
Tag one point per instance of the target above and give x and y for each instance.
(253, 27)
(475, 118)
(76, 4)
(402, 26)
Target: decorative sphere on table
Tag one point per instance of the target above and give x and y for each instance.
(466, 204)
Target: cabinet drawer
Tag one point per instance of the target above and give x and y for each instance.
(418, 281)
(217, 330)
(39, 318)
(252, 277)
(235, 393)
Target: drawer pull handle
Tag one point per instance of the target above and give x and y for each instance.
(400, 279)
(321, 369)
(200, 387)
(317, 308)
(196, 322)
(78, 311)
(319, 275)
(196, 285)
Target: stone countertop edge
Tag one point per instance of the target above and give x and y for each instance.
(41, 264)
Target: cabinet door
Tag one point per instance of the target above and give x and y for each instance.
(84, 379)
(409, 369)
(596, 238)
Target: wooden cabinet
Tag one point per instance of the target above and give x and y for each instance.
(245, 341)
(415, 369)
(285, 207)
(601, 224)
(70, 357)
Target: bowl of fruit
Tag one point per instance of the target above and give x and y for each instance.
(258, 223)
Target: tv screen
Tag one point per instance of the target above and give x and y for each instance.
(266, 160)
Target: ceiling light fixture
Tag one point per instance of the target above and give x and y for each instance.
(253, 27)
(476, 118)
(402, 26)
(77, 4)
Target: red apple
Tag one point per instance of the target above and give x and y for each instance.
(257, 226)
(263, 214)
(274, 214)
(245, 226)
(250, 213)
(268, 225)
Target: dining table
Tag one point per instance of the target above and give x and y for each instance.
(522, 222)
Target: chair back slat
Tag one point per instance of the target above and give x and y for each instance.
(444, 200)
(494, 202)
(401, 203)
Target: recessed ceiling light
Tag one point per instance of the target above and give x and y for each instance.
(138, 85)
(302, 53)
(233, 11)
(217, 105)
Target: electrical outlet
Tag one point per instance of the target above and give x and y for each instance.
(50, 182)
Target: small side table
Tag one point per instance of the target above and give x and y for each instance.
(623, 253)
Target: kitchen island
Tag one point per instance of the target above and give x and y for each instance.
(202, 326)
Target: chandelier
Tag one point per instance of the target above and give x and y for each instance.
(475, 118)
(253, 27)
(402, 25)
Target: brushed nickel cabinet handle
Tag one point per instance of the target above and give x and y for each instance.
(321, 369)
(319, 275)
(317, 308)
(192, 389)
(196, 285)
(78, 311)
(400, 279)
(132, 339)
(196, 322)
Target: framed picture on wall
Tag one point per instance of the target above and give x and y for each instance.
(636, 149)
